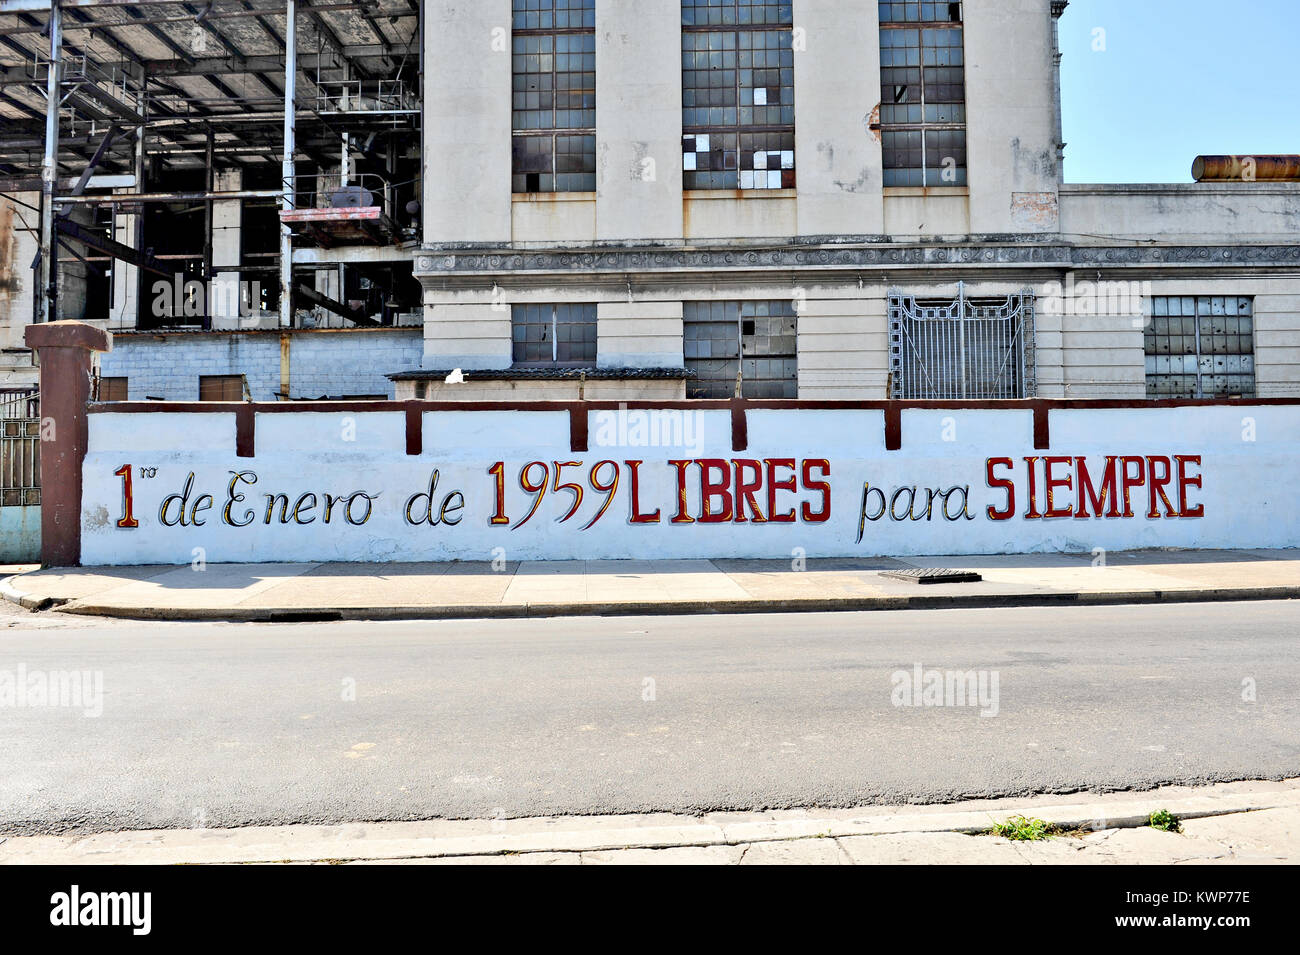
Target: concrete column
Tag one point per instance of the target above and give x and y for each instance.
(638, 120)
(1010, 117)
(65, 352)
(227, 293)
(837, 89)
(124, 313)
(467, 124)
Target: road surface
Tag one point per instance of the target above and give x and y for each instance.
(239, 724)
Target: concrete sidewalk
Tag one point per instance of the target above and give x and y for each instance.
(1230, 823)
(284, 592)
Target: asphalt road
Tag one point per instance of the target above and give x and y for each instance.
(238, 724)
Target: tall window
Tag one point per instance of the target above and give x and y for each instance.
(737, 94)
(1200, 347)
(554, 47)
(563, 335)
(757, 340)
(922, 93)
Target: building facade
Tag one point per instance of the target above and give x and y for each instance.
(821, 199)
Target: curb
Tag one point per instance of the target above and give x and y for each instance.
(448, 839)
(651, 608)
(25, 600)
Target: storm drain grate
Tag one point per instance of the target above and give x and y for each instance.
(933, 575)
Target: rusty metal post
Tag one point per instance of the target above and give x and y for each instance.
(65, 351)
(47, 292)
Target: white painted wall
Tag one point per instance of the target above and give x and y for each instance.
(342, 453)
(467, 122)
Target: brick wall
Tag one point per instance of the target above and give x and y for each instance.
(321, 363)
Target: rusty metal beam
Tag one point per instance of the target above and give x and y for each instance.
(308, 294)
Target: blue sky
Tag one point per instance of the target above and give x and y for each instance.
(1176, 79)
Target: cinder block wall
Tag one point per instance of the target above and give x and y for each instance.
(334, 363)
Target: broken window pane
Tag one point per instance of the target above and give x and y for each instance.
(1200, 347)
(922, 93)
(737, 95)
(758, 339)
(554, 96)
(561, 334)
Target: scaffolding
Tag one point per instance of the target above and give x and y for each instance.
(131, 118)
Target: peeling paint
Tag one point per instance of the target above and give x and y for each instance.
(872, 122)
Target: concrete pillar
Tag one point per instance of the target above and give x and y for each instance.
(467, 122)
(65, 352)
(838, 164)
(638, 120)
(124, 312)
(227, 292)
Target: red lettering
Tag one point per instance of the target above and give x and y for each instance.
(824, 466)
(1052, 483)
(1032, 513)
(745, 490)
(1005, 484)
(1087, 490)
(1130, 481)
(1184, 482)
(634, 468)
(711, 488)
(1156, 488)
(681, 517)
(773, 485)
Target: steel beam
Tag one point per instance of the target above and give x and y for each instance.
(287, 166)
(47, 294)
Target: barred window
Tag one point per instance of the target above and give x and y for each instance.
(737, 94)
(962, 348)
(758, 340)
(554, 50)
(554, 335)
(1200, 347)
(922, 93)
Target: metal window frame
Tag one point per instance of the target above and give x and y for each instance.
(738, 129)
(554, 132)
(1200, 392)
(905, 312)
(554, 361)
(919, 27)
(741, 357)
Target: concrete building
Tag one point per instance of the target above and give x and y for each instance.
(650, 199)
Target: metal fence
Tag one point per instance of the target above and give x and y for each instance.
(20, 448)
(961, 349)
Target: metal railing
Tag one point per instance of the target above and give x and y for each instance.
(393, 97)
(333, 191)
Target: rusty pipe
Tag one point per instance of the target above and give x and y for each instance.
(1246, 169)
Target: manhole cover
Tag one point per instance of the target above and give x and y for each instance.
(933, 575)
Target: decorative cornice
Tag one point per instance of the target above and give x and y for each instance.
(435, 264)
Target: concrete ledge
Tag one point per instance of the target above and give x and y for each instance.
(470, 839)
(298, 593)
(634, 608)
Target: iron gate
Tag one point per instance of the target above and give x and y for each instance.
(961, 349)
(20, 448)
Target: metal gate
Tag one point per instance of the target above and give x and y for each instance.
(961, 349)
(20, 476)
(20, 448)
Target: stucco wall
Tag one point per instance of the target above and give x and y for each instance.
(960, 483)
